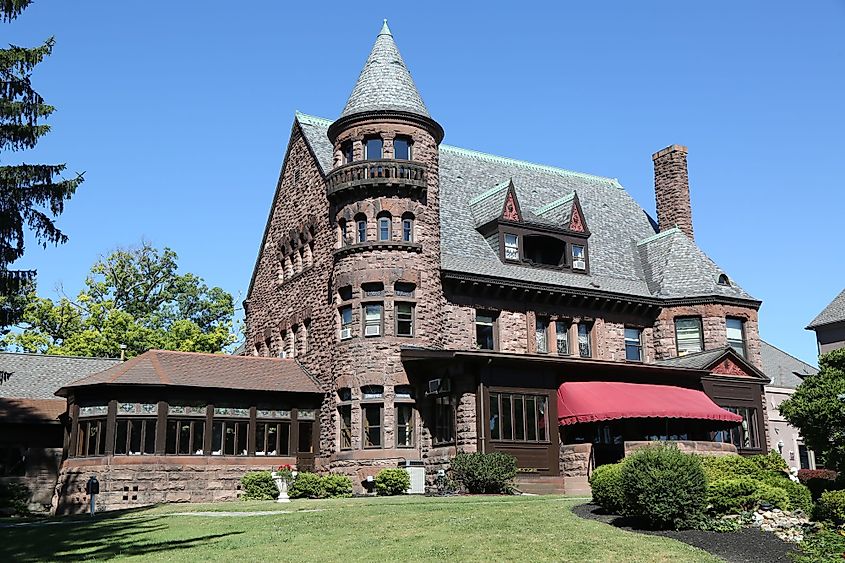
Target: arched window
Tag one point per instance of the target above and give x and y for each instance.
(402, 148)
(384, 226)
(408, 227)
(373, 148)
(723, 280)
(361, 228)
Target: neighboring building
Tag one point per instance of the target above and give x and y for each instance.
(443, 300)
(32, 418)
(829, 325)
(786, 373)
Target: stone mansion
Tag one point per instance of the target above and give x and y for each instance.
(411, 300)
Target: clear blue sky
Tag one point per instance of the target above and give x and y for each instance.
(179, 112)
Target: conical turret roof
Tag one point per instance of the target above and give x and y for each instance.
(385, 83)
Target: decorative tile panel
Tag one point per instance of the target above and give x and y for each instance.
(187, 410)
(307, 414)
(263, 413)
(94, 410)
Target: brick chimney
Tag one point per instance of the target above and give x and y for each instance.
(671, 189)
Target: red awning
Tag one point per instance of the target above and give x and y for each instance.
(592, 401)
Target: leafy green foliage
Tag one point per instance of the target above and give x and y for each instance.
(481, 473)
(14, 498)
(664, 487)
(720, 524)
(31, 195)
(336, 485)
(728, 467)
(134, 297)
(825, 546)
(831, 507)
(799, 495)
(771, 462)
(606, 484)
(258, 485)
(735, 495)
(817, 411)
(306, 485)
(394, 481)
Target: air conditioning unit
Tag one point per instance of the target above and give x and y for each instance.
(439, 385)
(579, 264)
(283, 354)
(345, 333)
(372, 330)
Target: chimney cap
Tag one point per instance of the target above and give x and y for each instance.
(668, 150)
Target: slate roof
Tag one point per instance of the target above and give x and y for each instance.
(783, 369)
(192, 369)
(698, 360)
(833, 313)
(384, 82)
(29, 393)
(37, 376)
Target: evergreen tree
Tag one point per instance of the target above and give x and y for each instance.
(31, 195)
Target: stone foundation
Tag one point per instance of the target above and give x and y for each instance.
(42, 468)
(687, 446)
(147, 480)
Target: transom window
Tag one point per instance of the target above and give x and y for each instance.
(373, 148)
(402, 148)
(736, 334)
(688, 335)
(633, 344)
(519, 417)
(484, 331)
(511, 247)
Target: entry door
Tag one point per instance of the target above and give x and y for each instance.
(306, 437)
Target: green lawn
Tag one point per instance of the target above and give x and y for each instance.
(378, 529)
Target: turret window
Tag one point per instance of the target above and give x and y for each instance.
(361, 226)
(346, 150)
(384, 226)
(407, 227)
(402, 148)
(373, 148)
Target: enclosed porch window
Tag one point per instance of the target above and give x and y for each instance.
(519, 417)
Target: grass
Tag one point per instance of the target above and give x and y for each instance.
(378, 529)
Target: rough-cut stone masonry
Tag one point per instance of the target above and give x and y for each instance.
(671, 189)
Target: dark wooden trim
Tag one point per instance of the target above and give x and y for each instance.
(251, 431)
(207, 436)
(161, 427)
(74, 429)
(111, 423)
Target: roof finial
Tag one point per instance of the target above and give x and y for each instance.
(384, 29)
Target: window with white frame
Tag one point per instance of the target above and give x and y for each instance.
(511, 246)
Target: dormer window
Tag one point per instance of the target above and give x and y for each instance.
(579, 257)
(544, 250)
(346, 151)
(402, 148)
(511, 247)
(373, 148)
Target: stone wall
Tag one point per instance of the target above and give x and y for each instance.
(671, 189)
(42, 470)
(687, 446)
(146, 480)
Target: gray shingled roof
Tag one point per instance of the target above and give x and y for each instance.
(698, 360)
(384, 82)
(36, 376)
(627, 255)
(833, 313)
(783, 368)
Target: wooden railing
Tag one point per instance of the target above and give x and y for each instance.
(377, 172)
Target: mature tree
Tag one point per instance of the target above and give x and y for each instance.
(817, 409)
(31, 195)
(134, 297)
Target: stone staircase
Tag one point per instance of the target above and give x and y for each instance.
(552, 485)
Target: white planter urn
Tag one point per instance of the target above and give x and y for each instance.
(282, 485)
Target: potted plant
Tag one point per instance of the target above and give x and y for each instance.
(282, 476)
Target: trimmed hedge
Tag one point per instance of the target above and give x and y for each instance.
(728, 467)
(664, 487)
(482, 473)
(606, 484)
(336, 485)
(771, 461)
(258, 485)
(831, 507)
(731, 496)
(306, 485)
(799, 495)
(392, 482)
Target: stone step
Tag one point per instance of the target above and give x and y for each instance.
(540, 484)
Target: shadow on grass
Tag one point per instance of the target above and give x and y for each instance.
(124, 532)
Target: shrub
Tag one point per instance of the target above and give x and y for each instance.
(728, 467)
(799, 495)
(483, 473)
(831, 507)
(336, 485)
(258, 485)
(732, 496)
(772, 461)
(820, 480)
(606, 483)
(826, 546)
(664, 487)
(392, 482)
(14, 499)
(805, 475)
(306, 485)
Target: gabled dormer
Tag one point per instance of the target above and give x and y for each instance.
(553, 235)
